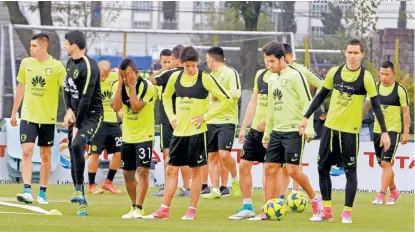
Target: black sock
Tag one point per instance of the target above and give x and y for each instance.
(111, 174)
(325, 183)
(139, 207)
(204, 186)
(43, 188)
(27, 186)
(134, 206)
(222, 188)
(351, 186)
(91, 177)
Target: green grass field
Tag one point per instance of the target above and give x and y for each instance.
(105, 213)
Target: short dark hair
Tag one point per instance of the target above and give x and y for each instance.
(216, 53)
(356, 42)
(76, 37)
(388, 64)
(40, 36)
(177, 51)
(165, 52)
(189, 54)
(127, 62)
(287, 48)
(274, 48)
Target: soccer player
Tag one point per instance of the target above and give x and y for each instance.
(165, 127)
(313, 80)
(339, 144)
(188, 144)
(135, 96)
(222, 127)
(253, 149)
(84, 112)
(108, 135)
(393, 99)
(39, 79)
(290, 98)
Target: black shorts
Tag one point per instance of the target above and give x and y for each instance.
(29, 131)
(134, 155)
(188, 150)
(253, 148)
(166, 132)
(388, 155)
(338, 148)
(87, 130)
(107, 137)
(285, 147)
(220, 137)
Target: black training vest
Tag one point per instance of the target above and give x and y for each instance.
(262, 85)
(124, 95)
(356, 87)
(392, 99)
(197, 90)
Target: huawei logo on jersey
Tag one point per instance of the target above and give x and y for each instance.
(38, 81)
(277, 93)
(106, 95)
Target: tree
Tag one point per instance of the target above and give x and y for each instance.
(288, 23)
(86, 14)
(17, 17)
(362, 19)
(249, 10)
(402, 15)
(332, 20)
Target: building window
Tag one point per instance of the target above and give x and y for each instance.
(317, 32)
(140, 6)
(203, 6)
(142, 24)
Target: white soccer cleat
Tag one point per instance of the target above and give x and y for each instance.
(25, 197)
(42, 200)
(130, 215)
(316, 218)
(241, 214)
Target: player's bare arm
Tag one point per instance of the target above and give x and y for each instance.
(406, 123)
(17, 102)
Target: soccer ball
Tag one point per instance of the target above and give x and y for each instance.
(297, 202)
(275, 209)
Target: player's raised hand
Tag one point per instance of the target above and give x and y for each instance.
(385, 141)
(261, 125)
(131, 77)
(302, 125)
(405, 138)
(198, 121)
(13, 120)
(241, 136)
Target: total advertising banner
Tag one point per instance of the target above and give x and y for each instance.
(368, 170)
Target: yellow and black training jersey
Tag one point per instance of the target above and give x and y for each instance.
(192, 100)
(42, 82)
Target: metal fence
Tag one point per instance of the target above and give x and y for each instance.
(242, 49)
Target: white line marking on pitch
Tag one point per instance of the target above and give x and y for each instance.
(20, 213)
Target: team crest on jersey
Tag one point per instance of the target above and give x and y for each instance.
(48, 71)
(277, 93)
(75, 73)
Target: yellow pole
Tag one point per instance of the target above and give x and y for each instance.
(397, 51)
(307, 53)
(216, 40)
(124, 51)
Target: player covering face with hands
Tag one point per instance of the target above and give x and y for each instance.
(135, 97)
